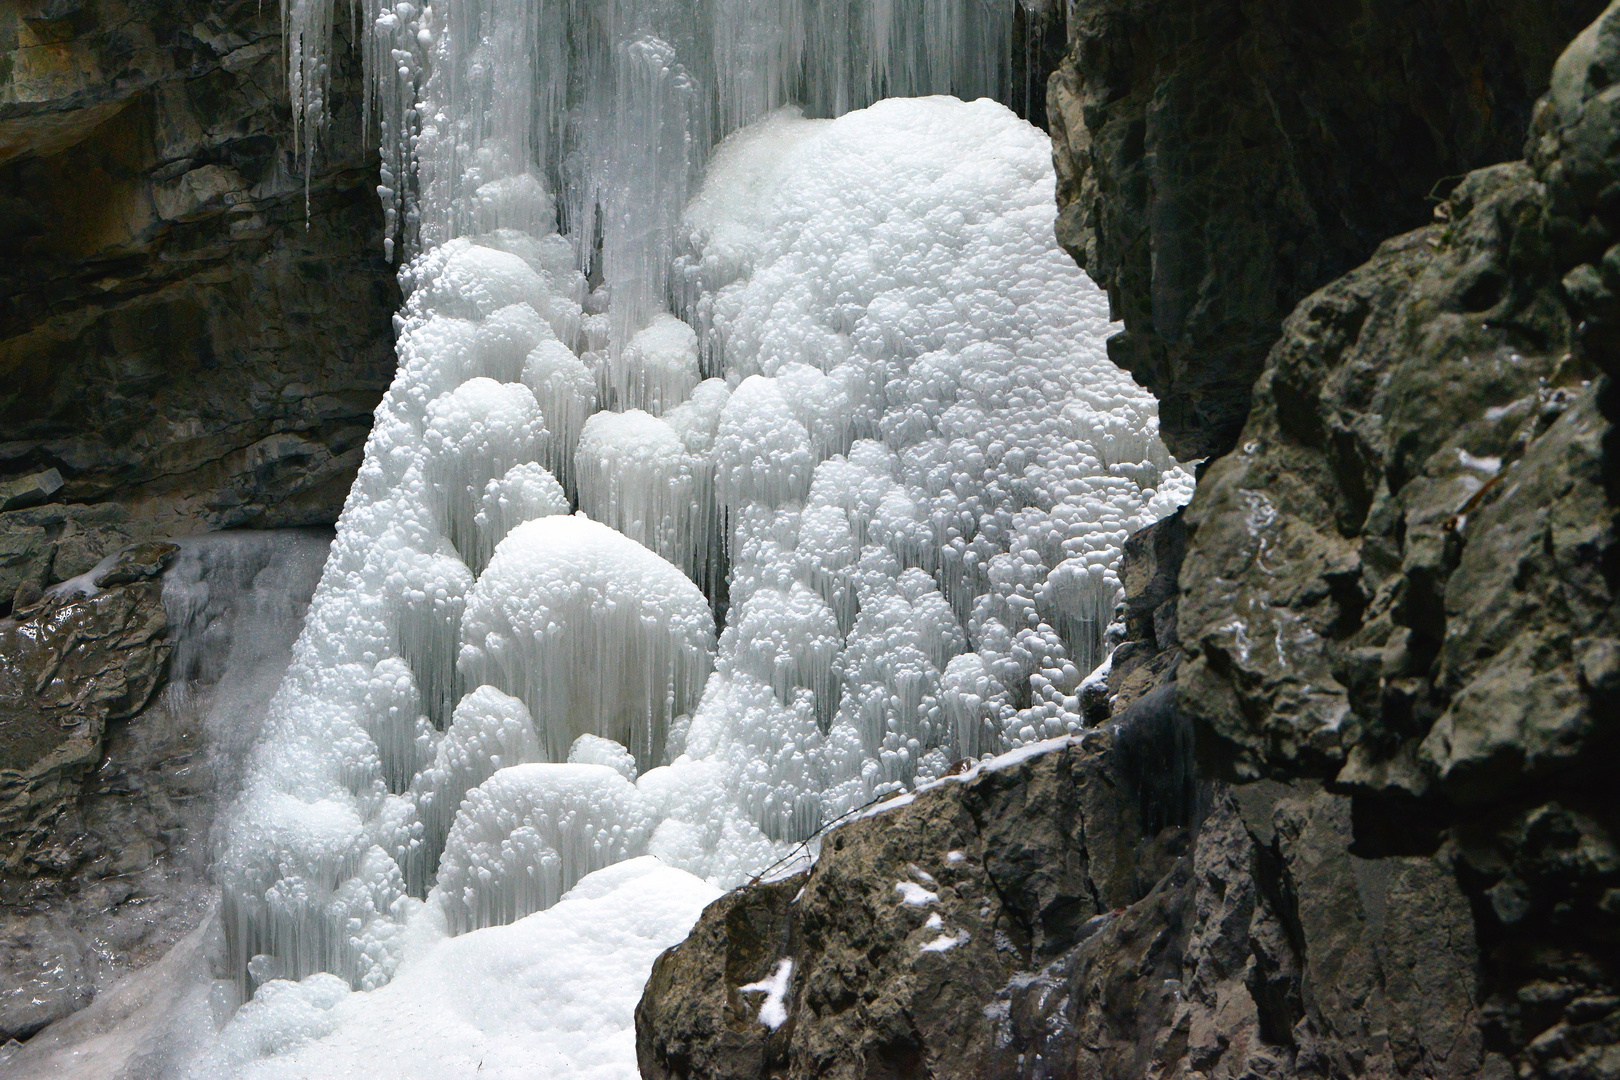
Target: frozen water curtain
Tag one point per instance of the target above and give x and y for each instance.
(753, 454)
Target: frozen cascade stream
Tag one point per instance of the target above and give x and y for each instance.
(753, 454)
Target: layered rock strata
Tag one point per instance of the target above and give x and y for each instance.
(194, 328)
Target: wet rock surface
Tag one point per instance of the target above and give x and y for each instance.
(69, 665)
(72, 666)
(192, 333)
(127, 699)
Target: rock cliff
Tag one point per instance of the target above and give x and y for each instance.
(193, 333)
(1219, 161)
(1345, 813)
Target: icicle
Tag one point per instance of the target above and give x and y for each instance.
(429, 594)
(595, 750)
(975, 707)
(788, 641)
(566, 390)
(395, 720)
(646, 167)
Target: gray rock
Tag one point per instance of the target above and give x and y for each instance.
(28, 490)
(1402, 583)
(1083, 947)
(907, 927)
(47, 971)
(1392, 420)
(1147, 657)
(67, 669)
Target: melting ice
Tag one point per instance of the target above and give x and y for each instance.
(791, 473)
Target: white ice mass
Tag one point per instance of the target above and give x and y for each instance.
(792, 472)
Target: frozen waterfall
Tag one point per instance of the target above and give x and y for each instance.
(753, 455)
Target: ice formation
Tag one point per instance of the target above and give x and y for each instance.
(553, 994)
(789, 473)
(523, 837)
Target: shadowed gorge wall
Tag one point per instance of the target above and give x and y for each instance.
(179, 341)
(1218, 161)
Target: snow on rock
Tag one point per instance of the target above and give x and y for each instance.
(914, 895)
(772, 1010)
(945, 942)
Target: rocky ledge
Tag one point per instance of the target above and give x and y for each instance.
(1045, 919)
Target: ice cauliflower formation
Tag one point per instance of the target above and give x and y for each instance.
(885, 448)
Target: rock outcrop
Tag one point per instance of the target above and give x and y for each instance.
(193, 333)
(1349, 816)
(70, 666)
(128, 700)
(1023, 923)
(1219, 161)
(1404, 580)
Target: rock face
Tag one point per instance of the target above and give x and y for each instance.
(125, 714)
(1348, 813)
(1403, 581)
(70, 665)
(907, 916)
(192, 333)
(1024, 924)
(1217, 161)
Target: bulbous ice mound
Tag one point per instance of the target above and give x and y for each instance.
(926, 430)
(593, 632)
(477, 431)
(635, 475)
(912, 453)
(524, 836)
